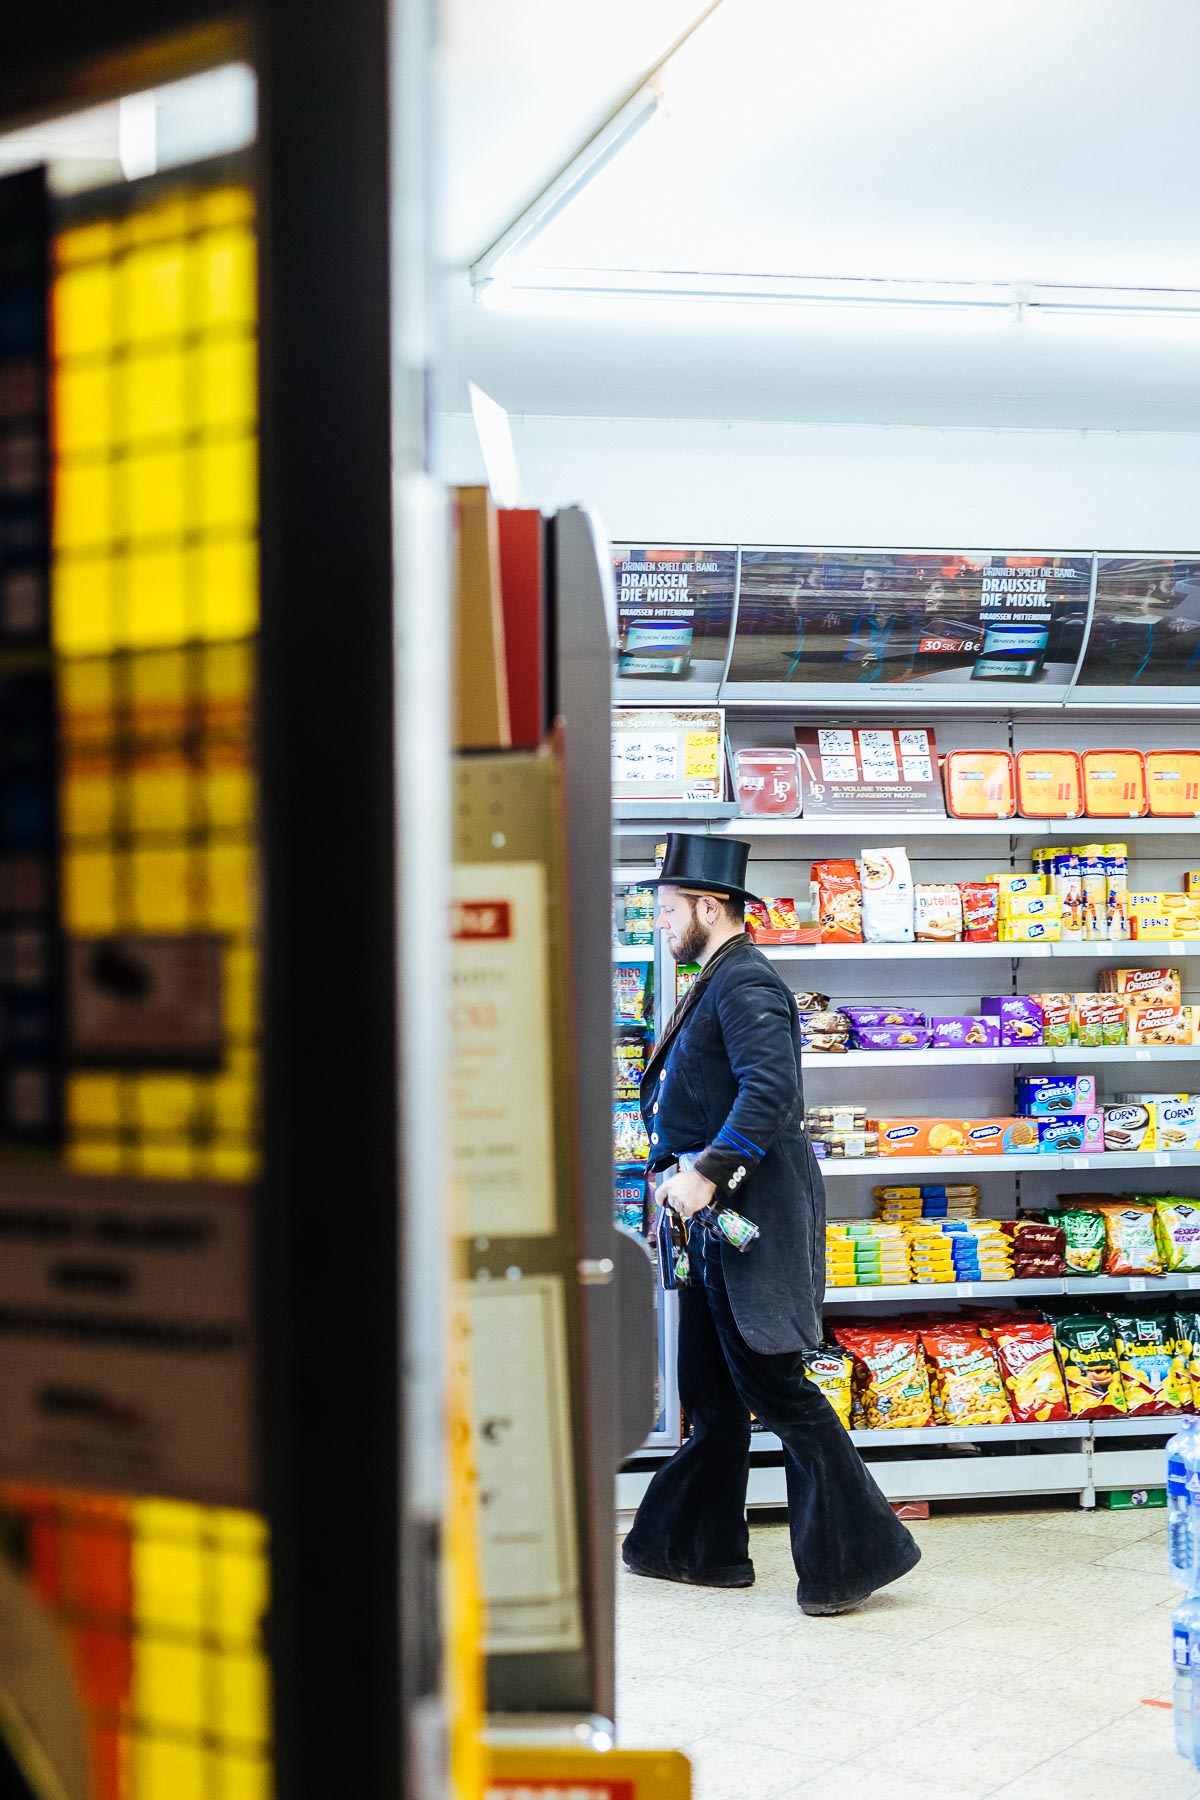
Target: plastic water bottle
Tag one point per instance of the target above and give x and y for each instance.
(1185, 1644)
(1183, 1493)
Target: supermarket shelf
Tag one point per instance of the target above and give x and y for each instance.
(633, 953)
(633, 874)
(1134, 1159)
(949, 1434)
(1049, 1288)
(942, 1290)
(723, 820)
(898, 1166)
(817, 1062)
(905, 952)
(1136, 1427)
(1167, 952)
(821, 1062)
(1129, 1284)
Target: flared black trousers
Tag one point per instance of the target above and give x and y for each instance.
(691, 1525)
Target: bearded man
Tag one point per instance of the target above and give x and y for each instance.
(724, 1112)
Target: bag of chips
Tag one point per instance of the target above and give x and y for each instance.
(837, 900)
(1147, 1364)
(890, 1377)
(1083, 1251)
(964, 1375)
(887, 897)
(832, 1370)
(1185, 1351)
(1087, 1348)
(1032, 1377)
(1132, 1246)
(1177, 1223)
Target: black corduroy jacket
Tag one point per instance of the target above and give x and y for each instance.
(725, 1082)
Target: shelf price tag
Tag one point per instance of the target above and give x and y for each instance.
(1137, 1284)
(1162, 1159)
(1193, 1281)
(965, 1288)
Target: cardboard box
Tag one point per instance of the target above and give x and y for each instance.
(1178, 1124)
(964, 1031)
(1021, 1020)
(1147, 926)
(1161, 1025)
(1030, 906)
(1030, 931)
(1131, 1127)
(1143, 987)
(1051, 1094)
(1069, 1134)
(1011, 884)
(1057, 1013)
(920, 1137)
(1001, 1137)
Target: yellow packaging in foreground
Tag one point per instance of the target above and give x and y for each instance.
(515, 1773)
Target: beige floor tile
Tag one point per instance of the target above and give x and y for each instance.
(851, 1781)
(731, 1768)
(1142, 1739)
(1073, 1777)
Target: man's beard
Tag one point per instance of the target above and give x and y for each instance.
(691, 944)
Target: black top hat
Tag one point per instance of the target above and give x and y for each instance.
(705, 865)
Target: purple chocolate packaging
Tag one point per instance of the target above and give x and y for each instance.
(961, 1031)
(891, 1037)
(883, 1015)
(1021, 1020)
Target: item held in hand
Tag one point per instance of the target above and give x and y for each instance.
(737, 1230)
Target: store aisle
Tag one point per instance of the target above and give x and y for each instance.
(1016, 1661)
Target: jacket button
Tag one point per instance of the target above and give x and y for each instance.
(662, 1075)
(654, 1108)
(654, 1137)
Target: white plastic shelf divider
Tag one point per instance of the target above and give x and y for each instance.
(819, 1062)
(633, 953)
(1164, 952)
(1137, 1427)
(1052, 1287)
(950, 1434)
(1079, 1285)
(634, 816)
(941, 1290)
(899, 1166)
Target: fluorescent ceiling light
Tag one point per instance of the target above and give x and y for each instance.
(1178, 324)
(738, 305)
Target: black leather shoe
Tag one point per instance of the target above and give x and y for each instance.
(738, 1575)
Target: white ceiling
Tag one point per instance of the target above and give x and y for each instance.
(1034, 140)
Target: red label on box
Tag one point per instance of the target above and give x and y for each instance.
(476, 919)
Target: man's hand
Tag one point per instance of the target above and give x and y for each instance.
(685, 1192)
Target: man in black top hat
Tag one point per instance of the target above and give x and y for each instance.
(724, 1110)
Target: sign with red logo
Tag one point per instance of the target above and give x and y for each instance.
(768, 783)
(480, 919)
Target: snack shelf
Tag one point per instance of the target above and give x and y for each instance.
(723, 820)
(1048, 1288)
(1161, 950)
(1129, 1284)
(951, 1434)
(907, 952)
(817, 1062)
(633, 953)
(1164, 1427)
(821, 1062)
(1049, 1163)
(1132, 1159)
(899, 1166)
(943, 1290)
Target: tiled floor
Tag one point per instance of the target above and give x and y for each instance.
(1015, 1661)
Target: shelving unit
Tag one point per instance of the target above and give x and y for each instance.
(1070, 1457)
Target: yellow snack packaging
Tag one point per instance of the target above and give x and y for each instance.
(890, 1376)
(832, 1370)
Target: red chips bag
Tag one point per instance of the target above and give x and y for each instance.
(981, 911)
(964, 1376)
(891, 1383)
(1032, 1377)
